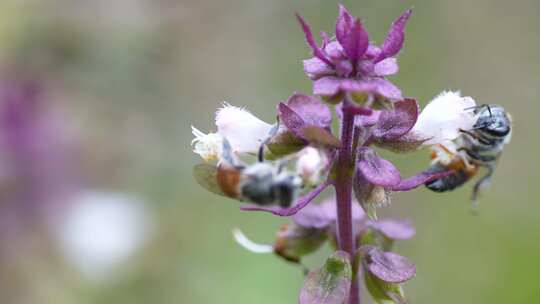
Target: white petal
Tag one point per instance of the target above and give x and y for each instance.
(244, 130)
(208, 146)
(310, 164)
(444, 116)
(243, 241)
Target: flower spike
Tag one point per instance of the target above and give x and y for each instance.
(351, 35)
(301, 155)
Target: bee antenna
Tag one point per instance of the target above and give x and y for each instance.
(271, 134)
(475, 107)
(260, 155)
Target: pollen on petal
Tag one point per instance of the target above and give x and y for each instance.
(208, 146)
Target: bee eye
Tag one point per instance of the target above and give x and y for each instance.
(497, 129)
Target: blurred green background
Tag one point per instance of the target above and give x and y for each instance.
(130, 77)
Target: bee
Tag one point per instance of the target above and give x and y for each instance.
(262, 183)
(477, 148)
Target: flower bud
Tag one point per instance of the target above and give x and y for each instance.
(294, 241)
(310, 165)
(372, 197)
(384, 272)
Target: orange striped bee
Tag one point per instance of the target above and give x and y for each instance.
(479, 147)
(261, 183)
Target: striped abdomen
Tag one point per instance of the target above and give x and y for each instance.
(460, 175)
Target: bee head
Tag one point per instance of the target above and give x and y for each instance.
(493, 120)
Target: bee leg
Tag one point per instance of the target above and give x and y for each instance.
(475, 136)
(465, 157)
(480, 184)
(476, 156)
(471, 134)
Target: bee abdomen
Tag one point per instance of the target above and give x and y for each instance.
(449, 182)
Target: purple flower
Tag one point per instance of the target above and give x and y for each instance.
(351, 63)
(303, 119)
(34, 159)
(394, 124)
(384, 272)
(387, 266)
(312, 225)
(375, 178)
(323, 216)
(308, 118)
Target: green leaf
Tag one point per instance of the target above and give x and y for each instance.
(284, 143)
(293, 241)
(330, 284)
(383, 292)
(374, 237)
(383, 274)
(320, 136)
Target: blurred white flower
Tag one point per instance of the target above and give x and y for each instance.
(244, 131)
(444, 116)
(102, 230)
(311, 162)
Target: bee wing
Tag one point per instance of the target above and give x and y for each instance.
(227, 154)
(206, 176)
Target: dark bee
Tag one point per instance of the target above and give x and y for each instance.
(262, 183)
(477, 148)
